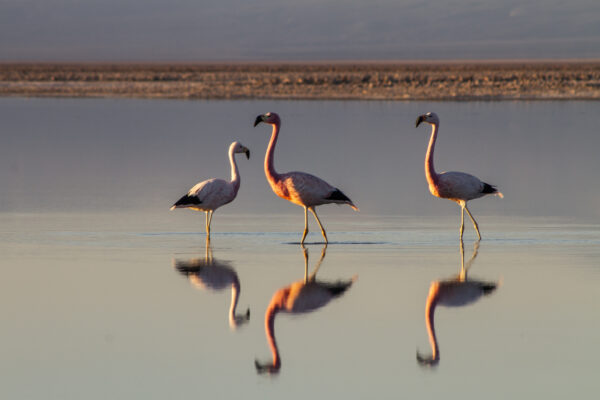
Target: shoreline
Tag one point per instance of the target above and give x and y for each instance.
(375, 80)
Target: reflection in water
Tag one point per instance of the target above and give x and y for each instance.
(455, 292)
(212, 274)
(300, 297)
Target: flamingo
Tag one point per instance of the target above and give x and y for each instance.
(300, 188)
(300, 297)
(212, 274)
(456, 186)
(454, 292)
(213, 193)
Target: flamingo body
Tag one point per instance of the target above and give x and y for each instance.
(214, 277)
(208, 195)
(307, 190)
(213, 193)
(453, 293)
(459, 187)
(300, 188)
(302, 297)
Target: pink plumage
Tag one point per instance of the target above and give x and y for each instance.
(456, 186)
(300, 188)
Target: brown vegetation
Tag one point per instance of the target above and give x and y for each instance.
(364, 81)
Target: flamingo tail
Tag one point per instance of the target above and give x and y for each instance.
(338, 196)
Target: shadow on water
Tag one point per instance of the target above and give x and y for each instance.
(457, 291)
(209, 273)
(300, 297)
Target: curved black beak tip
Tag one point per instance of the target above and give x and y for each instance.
(247, 154)
(258, 120)
(419, 120)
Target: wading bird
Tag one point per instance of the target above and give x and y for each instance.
(456, 186)
(300, 297)
(216, 275)
(213, 193)
(454, 292)
(300, 188)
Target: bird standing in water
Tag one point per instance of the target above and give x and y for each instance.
(456, 186)
(300, 188)
(213, 193)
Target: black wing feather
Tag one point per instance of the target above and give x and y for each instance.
(188, 200)
(337, 288)
(487, 188)
(338, 195)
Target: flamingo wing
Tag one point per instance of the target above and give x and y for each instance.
(461, 186)
(307, 297)
(306, 189)
(215, 277)
(207, 195)
(458, 294)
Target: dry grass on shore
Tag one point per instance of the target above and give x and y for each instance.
(362, 81)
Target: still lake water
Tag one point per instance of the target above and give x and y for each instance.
(107, 294)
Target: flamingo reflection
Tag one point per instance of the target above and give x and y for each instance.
(212, 274)
(300, 297)
(455, 292)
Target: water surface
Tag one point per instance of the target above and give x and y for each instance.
(94, 305)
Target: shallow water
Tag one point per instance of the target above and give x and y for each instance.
(94, 306)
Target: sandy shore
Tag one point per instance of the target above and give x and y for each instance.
(363, 81)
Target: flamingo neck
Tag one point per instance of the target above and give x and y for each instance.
(432, 301)
(235, 174)
(270, 332)
(430, 174)
(271, 174)
(235, 294)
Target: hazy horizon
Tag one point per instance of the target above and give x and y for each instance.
(265, 30)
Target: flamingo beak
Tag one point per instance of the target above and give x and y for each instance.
(419, 120)
(247, 151)
(258, 120)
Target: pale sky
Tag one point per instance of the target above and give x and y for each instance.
(240, 30)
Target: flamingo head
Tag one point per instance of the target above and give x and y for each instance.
(239, 320)
(267, 367)
(237, 147)
(430, 118)
(268, 118)
(428, 361)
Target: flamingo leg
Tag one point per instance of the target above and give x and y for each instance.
(206, 226)
(305, 226)
(312, 210)
(463, 272)
(305, 252)
(208, 221)
(318, 265)
(462, 221)
(472, 259)
(208, 255)
(474, 222)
